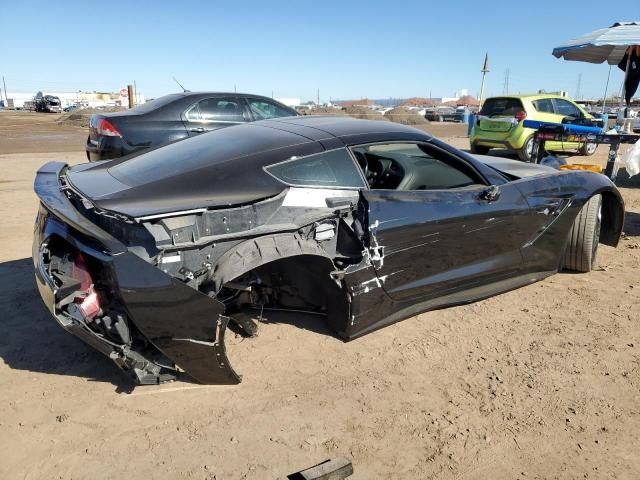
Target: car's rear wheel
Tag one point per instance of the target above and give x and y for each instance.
(479, 149)
(588, 149)
(526, 152)
(582, 246)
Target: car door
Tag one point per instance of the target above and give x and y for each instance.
(546, 112)
(565, 108)
(440, 229)
(214, 112)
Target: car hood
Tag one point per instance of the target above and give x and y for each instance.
(515, 168)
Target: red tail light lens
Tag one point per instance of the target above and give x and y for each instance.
(80, 272)
(520, 116)
(106, 129)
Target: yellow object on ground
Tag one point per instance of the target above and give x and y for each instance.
(583, 166)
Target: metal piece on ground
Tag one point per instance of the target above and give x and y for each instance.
(335, 469)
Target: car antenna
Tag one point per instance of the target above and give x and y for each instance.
(183, 89)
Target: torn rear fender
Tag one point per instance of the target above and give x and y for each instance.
(184, 324)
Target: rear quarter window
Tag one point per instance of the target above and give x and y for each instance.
(501, 107)
(544, 105)
(331, 169)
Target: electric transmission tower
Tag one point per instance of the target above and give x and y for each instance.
(578, 93)
(505, 86)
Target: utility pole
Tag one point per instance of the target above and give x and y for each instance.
(485, 70)
(5, 92)
(234, 88)
(505, 87)
(318, 97)
(578, 93)
(130, 95)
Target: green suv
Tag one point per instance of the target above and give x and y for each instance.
(499, 124)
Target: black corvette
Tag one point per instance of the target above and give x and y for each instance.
(172, 118)
(365, 223)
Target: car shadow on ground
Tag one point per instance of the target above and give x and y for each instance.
(631, 224)
(311, 322)
(31, 340)
(623, 179)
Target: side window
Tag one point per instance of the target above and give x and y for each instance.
(221, 109)
(411, 166)
(544, 105)
(567, 109)
(331, 169)
(263, 109)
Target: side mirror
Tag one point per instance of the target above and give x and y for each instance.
(491, 193)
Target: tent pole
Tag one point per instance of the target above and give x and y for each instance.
(604, 99)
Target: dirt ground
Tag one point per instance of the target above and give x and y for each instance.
(539, 383)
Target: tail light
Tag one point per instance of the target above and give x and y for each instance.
(104, 128)
(521, 115)
(88, 301)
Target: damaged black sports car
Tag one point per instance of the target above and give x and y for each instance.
(365, 223)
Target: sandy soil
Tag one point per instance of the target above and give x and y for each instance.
(542, 382)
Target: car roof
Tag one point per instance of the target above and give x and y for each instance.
(205, 93)
(342, 126)
(532, 96)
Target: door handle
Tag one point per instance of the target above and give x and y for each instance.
(197, 130)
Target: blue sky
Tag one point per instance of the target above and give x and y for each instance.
(348, 49)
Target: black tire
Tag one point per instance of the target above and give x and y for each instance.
(588, 149)
(525, 153)
(479, 149)
(582, 246)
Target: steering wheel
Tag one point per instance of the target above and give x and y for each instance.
(364, 165)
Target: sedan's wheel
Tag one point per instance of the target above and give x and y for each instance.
(588, 149)
(526, 152)
(479, 149)
(582, 246)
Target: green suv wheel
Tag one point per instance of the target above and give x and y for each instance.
(526, 152)
(588, 149)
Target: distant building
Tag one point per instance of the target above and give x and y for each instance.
(363, 102)
(83, 99)
(290, 102)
